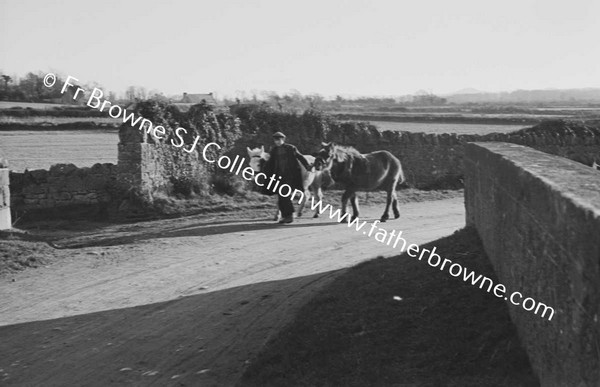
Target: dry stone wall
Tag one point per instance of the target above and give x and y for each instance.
(430, 161)
(62, 190)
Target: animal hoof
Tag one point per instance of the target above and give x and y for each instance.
(396, 216)
(315, 215)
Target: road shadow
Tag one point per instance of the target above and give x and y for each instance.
(400, 322)
(129, 235)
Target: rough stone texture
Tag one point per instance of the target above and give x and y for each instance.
(156, 168)
(436, 160)
(538, 216)
(5, 217)
(63, 186)
(153, 165)
(429, 160)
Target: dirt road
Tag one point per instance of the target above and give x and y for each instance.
(181, 302)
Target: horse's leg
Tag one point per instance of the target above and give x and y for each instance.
(395, 204)
(354, 201)
(308, 178)
(277, 212)
(319, 195)
(347, 194)
(303, 201)
(388, 201)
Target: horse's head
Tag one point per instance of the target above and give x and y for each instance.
(258, 157)
(325, 156)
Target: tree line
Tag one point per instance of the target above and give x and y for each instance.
(31, 88)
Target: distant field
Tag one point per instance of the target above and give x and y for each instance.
(33, 105)
(471, 116)
(417, 127)
(41, 149)
(45, 120)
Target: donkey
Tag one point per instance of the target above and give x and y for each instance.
(311, 180)
(378, 170)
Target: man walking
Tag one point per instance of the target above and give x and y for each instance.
(284, 162)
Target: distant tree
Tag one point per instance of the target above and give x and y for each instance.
(142, 93)
(157, 96)
(315, 100)
(93, 85)
(288, 99)
(130, 93)
(241, 95)
(275, 100)
(6, 79)
(31, 86)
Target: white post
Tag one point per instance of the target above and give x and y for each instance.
(5, 221)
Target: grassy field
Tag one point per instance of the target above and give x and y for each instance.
(417, 127)
(399, 322)
(32, 105)
(41, 149)
(457, 116)
(51, 121)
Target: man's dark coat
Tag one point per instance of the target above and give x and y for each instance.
(286, 165)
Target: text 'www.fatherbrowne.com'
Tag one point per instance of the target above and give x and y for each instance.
(394, 238)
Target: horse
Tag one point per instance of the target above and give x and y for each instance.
(311, 180)
(379, 170)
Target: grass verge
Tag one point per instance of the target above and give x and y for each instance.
(17, 253)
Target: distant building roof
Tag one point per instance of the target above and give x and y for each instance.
(198, 98)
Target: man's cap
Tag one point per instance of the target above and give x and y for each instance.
(278, 135)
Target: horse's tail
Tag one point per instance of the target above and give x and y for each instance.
(401, 178)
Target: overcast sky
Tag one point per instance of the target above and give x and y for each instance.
(350, 47)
